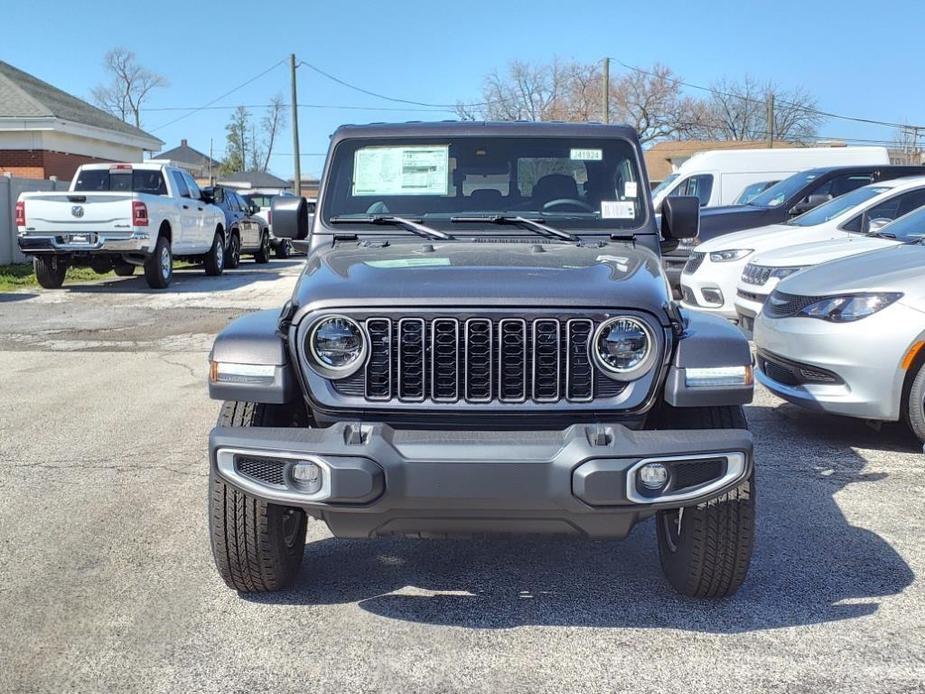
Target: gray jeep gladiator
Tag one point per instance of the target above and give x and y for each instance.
(482, 341)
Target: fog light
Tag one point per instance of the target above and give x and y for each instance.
(653, 476)
(307, 477)
(716, 376)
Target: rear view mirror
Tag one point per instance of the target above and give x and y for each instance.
(809, 203)
(680, 218)
(290, 217)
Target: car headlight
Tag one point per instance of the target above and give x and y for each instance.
(688, 243)
(624, 347)
(730, 255)
(337, 346)
(849, 307)
(782, 272)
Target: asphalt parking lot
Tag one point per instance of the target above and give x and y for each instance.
(107, 582)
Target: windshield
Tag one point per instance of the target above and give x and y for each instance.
(779, 193)
(124, 180)
(751, 191)
(834, 208)
(575, 183)
(671, 178)
(908, 229)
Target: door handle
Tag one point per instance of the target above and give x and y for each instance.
(199, 208)
(186, 207)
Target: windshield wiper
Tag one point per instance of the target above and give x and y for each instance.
(534, 225)
(881, 235)
(411, 225)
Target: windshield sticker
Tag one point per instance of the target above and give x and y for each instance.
(587, 154)
(408, 262)
(630, 189)
(617, 209)
(403, 170)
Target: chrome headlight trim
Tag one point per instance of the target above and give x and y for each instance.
(335, 372)
(643, 367)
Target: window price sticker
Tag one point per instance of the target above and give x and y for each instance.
(618, 209)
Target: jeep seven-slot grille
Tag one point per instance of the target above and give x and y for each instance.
(479, 360)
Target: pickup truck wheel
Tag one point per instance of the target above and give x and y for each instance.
(915, 405)
(257, 546)
(263, 253)
(214, 261)
(50, 270)
(159, 267)
(122, 268)
(233, 253)
(284, 249)
(705, 550)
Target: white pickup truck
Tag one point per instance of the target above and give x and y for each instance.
(120, 216)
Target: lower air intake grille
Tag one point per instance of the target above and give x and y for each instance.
(262, 470)
(697, 472)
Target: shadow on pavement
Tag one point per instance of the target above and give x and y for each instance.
(15, 296)
(810, 566)
(191, 280)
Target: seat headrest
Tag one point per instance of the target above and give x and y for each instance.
(555, 186)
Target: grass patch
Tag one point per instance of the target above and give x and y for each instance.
(22, 276)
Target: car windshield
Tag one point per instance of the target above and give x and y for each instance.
(838, 206)
(121, 180)
(669, 179)
(908, 229)
(779, 193)
(751, 191)
(570, 183)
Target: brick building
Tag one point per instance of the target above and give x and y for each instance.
(46, 132)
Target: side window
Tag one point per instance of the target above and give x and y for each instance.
(194, 191)
(180, 183)
(701, 187)
(845, 184)
(891, 209)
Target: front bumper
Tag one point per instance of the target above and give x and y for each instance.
(712, 287)
(137, 243)
(866, 355)
(383, 481)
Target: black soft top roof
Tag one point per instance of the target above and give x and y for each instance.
(484, 129)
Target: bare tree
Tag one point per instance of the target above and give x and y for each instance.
(273, 121)
(651, 100)
(906, 149)
(738, 110)
(129, 85)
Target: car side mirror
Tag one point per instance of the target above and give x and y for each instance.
(253, 209)
(809, 203)
(872, 226)
(680, 218)
(218, 195)
(290, 217)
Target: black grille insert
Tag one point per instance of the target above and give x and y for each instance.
(697, 472)
(262, 470)
(478, 360)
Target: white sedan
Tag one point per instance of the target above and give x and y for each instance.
(711, 277)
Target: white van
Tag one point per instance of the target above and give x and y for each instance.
(721, 176)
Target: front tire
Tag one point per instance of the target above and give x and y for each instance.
(233, 254)
(257, 546)
(50, 270)
(159, 267)
(214, 261)
(263, 253)
(915, 405)
(284, 249)
(705, 550)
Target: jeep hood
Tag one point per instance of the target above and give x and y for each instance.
(498, 272)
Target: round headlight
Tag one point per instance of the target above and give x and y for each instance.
(624, 347)
(337, 346)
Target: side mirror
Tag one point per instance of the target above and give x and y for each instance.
(218, 195)
(253, 209)
(876, 224)
(290, 217)
(680, 218)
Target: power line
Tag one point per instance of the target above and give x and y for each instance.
(312, 106)
(226, 94)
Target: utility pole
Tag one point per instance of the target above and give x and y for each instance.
(605, 91)
(771, 119)
(211, 179)
(296, 162)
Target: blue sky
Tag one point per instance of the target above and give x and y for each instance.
(856, 57)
